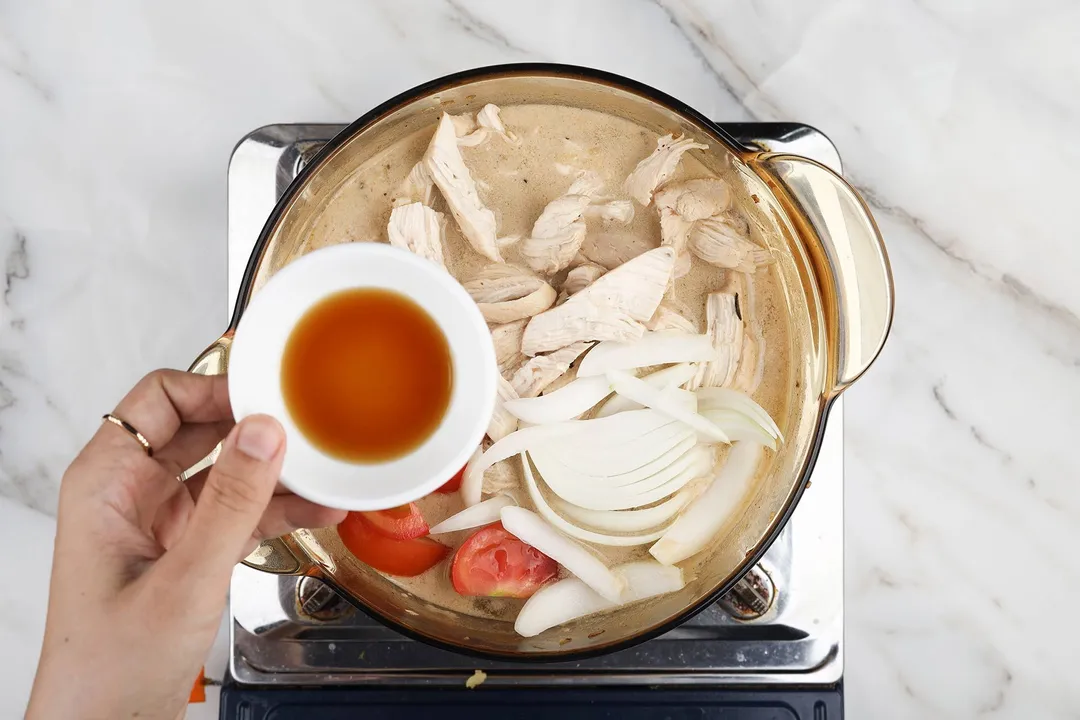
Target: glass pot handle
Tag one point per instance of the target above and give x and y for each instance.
(272, 556)
(848, 256)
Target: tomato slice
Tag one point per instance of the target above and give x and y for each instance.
(403, 522)
(494, 563)
(405, 558)
(453, 484)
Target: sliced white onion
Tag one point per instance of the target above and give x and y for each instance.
(477, 515)
(570, 598)
(581, 489)
(741, 428)
(566, 403)
(533, 530)
(653, 348)
(699, 462)
(549, 514)
(601, 458)
(472, 484)
(658, 463)
(714, 398)
(626, 521)
(674, 376)
(640, 391)
(623, 427)
(700, 522)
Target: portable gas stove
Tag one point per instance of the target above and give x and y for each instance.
(771, 648)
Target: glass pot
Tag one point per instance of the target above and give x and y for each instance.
(830, 263)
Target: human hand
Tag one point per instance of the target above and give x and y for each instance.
(142, 562)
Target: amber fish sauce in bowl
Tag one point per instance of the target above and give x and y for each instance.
(379, 366)
(367, 375)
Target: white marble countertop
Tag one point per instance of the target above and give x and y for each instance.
(957, 120)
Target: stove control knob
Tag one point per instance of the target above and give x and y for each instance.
(751, 597)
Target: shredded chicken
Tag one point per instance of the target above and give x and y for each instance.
(751, 368)
(669, 318)
(542, 370)
(700, 198)
(418, 186)
(505, 293)
(620, 211)
(612, 249)
(559, 232)
(443, 162)
(489, 119)
(612, 308)
(680, 204)
(724, 241)
(674, 230)
(725, 328)
(502, 421)
(654, 170)
(418, 229)
(507, 340)
(582, 277)
(503, 476)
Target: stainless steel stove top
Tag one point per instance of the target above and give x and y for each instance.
(287, 631)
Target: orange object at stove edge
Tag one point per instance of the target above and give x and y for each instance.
(198, 690)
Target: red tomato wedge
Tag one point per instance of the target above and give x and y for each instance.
(453, 484)
(405, 558)
(403, 522)
(494, 563)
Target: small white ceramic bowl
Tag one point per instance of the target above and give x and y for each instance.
(255, 373)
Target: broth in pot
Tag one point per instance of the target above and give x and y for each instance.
(563, 188)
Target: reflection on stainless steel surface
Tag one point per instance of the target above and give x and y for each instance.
(784, 624)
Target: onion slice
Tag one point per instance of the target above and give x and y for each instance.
(626, 521)
(533, 530)
(570, 528)
(669, 377)
(699, 462)
(741, 428)
(570, 598)
(640, 391)
(653, 348)
(713, 398)
(623, 427)
(477, 515)
(700, 522)
(566, 403)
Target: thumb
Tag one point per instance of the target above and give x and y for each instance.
(237, 492)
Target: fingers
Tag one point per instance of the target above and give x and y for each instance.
(192, 442)
(161, 402)
(230, 507)
(291, 512)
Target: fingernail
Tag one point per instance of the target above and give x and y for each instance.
(259, 437)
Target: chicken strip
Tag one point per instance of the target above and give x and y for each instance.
(724, 241)
(612, 308)
(505, 293)
(559, 232)
(447, 169)
(680, 204)
(667, 317)
(475, 130)
(542, 370)
(507, 341)
(418, 186)
(418, 229)
(653, 171)
(620, 211)
(503, 422)
(612, 249)
(725, 327)
(582, 277)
